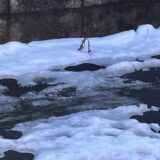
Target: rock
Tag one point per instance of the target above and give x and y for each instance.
(4, 6)
(84, 67)
(43, 80)
(150, 95)
(23, 90)
(28, 20)
(67, 92)
(16, 90)
(98, 2)
(3, 29)
(139, 60)
(13, 155)
(9, 82)
(9, 134)
(148, 117)
(57, 24)
(151, 75)
(156, 56)
(4, 9)
(22, 6)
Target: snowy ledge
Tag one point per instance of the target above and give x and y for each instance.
(25, 62)
(99, 135)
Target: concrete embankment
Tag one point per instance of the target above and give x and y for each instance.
(27, 20)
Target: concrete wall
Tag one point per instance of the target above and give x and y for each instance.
(27, 20)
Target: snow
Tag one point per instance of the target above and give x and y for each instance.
(144, 30)
(26, 62)
(122, 68)
(98, 135)
(91, 135)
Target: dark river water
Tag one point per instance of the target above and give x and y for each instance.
(26, 103)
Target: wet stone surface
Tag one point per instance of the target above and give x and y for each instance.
(9, 83)
(36, 20)
(84, 67)
(156, 56)
(150, 75)
(67, 99)
(15, 90)
(6, 131)
(13, 155)
(7, 134)
(149, 95)
(149, 117)
(67, 92)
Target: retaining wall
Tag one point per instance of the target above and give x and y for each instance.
(27, 20)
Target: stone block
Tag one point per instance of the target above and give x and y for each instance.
(97, 2)
(109, 19)
(4, 6)
(21, 6)
(88, 3)
(40, 26)
(3, 29)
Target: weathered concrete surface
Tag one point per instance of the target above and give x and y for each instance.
(3, 29)
(98, 2)
(44, 26)
(108, 19)
(21, 6)
(88, 3)
(27, 20)
(4, 6)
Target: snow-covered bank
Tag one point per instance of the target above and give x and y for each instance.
(28, 61)
(107, 134)
(45, 61)
(91, 135)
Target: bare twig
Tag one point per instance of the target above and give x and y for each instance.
(89, 46)
(147, 34)
(82, 46)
